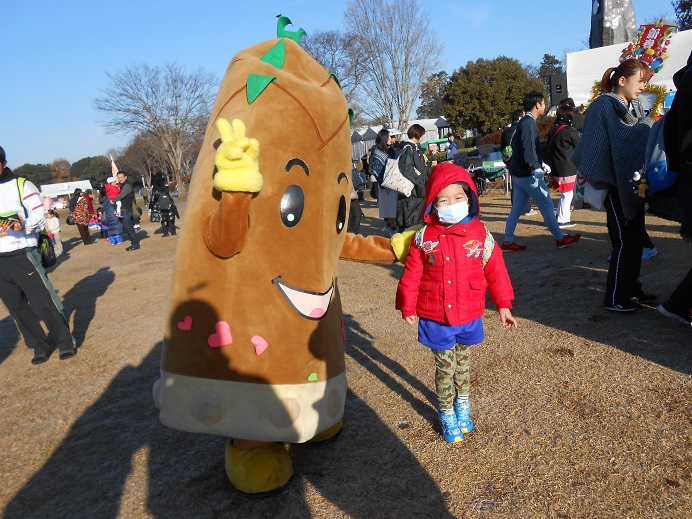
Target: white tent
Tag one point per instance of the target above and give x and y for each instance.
(64, 188)
(587, 66)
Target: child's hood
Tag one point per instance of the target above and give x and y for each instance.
(442, 176)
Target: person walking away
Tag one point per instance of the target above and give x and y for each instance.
(127, 197)
(81, 216)
(527, 170)
(450, 262)
(386, 198)
(164, 204)
(409, 210)
(612, 148)
(678, 143)
(562, 139)
(53, 230)
(25, 288)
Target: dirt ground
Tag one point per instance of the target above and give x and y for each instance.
(579, 412)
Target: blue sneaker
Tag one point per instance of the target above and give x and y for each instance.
(463, 412)
(450, 429)
(648, 253)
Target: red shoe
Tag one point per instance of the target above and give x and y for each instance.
(566, 240)
(512, 247)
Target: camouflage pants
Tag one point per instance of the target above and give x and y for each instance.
(452, 374)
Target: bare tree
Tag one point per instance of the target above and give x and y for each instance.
(399, 50)
(337, 53)
(168, 103)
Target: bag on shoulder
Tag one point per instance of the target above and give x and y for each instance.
(658, 176)
(46, 249)
(507, 153)
(394, 180)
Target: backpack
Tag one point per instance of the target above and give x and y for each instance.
(165, 202)
(507, 153)
(44, 245)
(656, 175)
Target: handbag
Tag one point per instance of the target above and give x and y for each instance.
(45, 248)
(593, 196)
(394, 180)
(69, 220)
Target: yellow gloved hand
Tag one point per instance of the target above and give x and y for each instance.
(237, 159)
(401, 242)
(643, 188)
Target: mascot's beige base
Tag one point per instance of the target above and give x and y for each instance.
(293, 412)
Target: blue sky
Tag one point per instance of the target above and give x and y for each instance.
(55, 53)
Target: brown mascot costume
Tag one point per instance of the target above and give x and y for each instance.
(254, 342)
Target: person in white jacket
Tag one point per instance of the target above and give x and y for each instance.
(53, 228)
(24, 287)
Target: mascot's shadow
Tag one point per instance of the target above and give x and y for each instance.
(360, 471)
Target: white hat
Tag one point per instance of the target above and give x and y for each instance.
(110, 180)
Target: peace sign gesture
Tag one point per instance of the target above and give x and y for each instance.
(237, 159)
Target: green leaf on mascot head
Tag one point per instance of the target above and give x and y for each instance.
(276, 55)
(338, 83)
(256, 83)
(281, 31)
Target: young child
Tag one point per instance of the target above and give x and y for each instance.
(53, 230)
(451, 261)
(112, 190)
(103, 222)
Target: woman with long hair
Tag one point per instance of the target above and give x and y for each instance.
(386, 198)
(562, 140)
(612, 148)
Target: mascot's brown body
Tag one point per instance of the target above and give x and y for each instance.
(254, 343)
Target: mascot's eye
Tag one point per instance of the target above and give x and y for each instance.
(341, 215)
(292, 204)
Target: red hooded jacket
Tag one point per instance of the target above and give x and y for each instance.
(448, 268)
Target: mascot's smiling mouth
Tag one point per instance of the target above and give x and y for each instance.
(311, 305)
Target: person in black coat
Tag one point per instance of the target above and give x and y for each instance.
(409, 210)
(562, 139)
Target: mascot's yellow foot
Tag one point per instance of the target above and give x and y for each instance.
(329, 433)
(262, 470)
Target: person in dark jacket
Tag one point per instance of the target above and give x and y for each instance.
(677, 134)
(562, 139)
(115, 228)
(506, 146)
(527, 169)
(409, 210)
(127, 197)
(578, 118)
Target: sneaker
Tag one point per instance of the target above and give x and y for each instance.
(132, 247)
(450, 428)
(566, 240)
(512, 247)
(463, 416)
(641, 297)
(68, 354)
(39, 358)
(668, 309)
(531, 212)
(627, 306)
(566, 225)
(648, 253)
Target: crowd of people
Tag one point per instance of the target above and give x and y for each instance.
(452, 256)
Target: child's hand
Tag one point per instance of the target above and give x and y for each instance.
(506, 317)
(410, 319)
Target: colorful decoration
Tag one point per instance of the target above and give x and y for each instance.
(659, 91)
(222, 335)
(260, 343)
(650, 45)
(185, 324)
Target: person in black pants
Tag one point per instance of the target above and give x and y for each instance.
(24, 287)
(677, 131)
(127, 197)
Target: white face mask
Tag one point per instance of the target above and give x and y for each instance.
(453, 213)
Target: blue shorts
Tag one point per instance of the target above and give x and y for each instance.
(439, 336)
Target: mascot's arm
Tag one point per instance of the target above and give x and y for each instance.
(373, 249)
(238, 178)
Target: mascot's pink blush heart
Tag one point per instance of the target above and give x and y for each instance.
(185, 324)
(222, 335)
(260, 343)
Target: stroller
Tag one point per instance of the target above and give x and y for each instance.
(489, 172)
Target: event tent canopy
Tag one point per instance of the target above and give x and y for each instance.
(64, 188)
